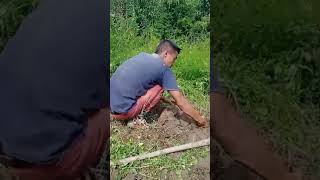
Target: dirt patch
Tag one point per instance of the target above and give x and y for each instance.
(168, 127)
(180, 126)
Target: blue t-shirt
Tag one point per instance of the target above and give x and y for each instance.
(135, 76)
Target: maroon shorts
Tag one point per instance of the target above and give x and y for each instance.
(83, 153)
(145, 102)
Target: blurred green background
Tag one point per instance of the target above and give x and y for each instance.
(268, 53)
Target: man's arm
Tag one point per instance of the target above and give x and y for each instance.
(186, 107)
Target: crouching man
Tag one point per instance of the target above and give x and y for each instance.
(138, 85)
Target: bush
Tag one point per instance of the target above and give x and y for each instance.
(187, 19)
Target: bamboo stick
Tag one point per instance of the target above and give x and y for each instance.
(201, 143)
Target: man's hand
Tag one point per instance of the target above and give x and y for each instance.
(186, 107)
(202, 122)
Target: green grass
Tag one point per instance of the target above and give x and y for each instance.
(121, 149)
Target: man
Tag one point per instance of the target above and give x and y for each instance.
(242, 141)
(138, 84)
(53, 100)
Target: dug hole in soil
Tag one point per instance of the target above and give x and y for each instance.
(169, 126)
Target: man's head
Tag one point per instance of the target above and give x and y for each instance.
(168, 51)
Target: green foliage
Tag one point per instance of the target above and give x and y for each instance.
(164, 19)
(270, 63)
(11, 14)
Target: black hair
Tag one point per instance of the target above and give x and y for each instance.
(166, 45)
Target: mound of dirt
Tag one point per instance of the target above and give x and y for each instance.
(181, 126)
(169, 128)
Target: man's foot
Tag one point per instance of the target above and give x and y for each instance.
(137, 123)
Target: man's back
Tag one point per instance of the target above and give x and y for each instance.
(134, 77)
(51, 72)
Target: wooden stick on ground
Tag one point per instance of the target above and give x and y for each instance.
(204, 142)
